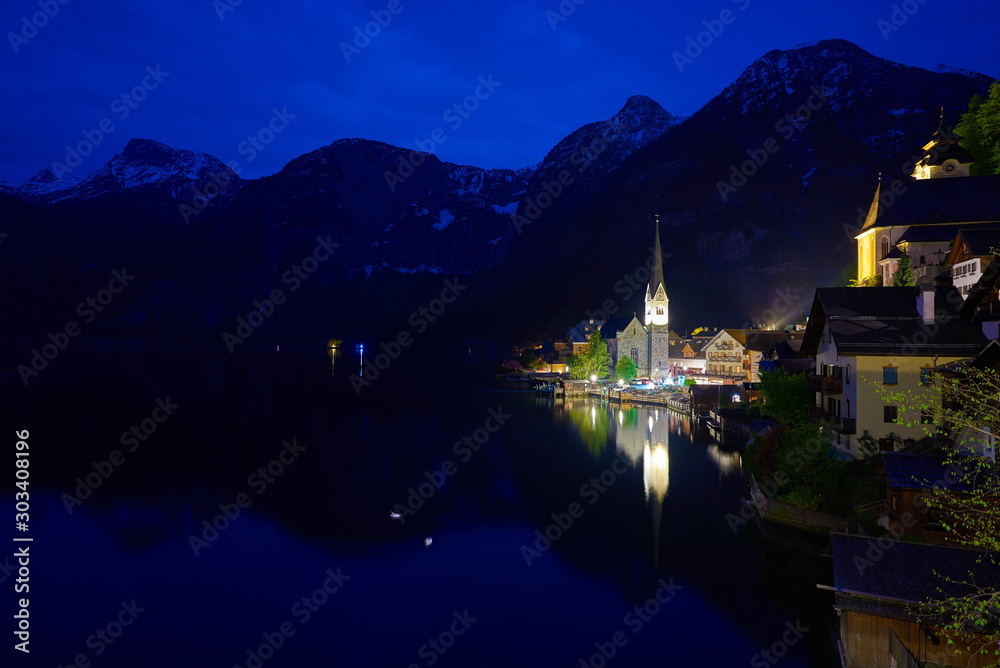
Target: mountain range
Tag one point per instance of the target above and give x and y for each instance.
(756, 193)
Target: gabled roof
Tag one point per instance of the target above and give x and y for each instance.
(981, 241)
(612, 326)
(762, 340)
(785, 350)
(903, 571)
(967, 199)
(885, 321)
(928, 233)
(906, 470)
(738, 334)
(895, 253)
(583, 329)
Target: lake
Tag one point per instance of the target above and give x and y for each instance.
(234, 511)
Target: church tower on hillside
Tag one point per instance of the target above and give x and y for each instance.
(943, 156)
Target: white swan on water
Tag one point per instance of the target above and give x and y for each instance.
(395, 516)
(428, 541)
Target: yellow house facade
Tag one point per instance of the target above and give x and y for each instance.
(871, 343)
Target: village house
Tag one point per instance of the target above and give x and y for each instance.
(876, 602)
(869, 340)
(724, 356)
(758, 344)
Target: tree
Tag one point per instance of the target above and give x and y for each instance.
(903, 276)
(529, 360)
(625, 369)
(786, 396)
(593, 360)
(979, 128)
(962, 407)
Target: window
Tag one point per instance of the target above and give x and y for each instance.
(635, 356)
(847, 376)
(890, 414)
(925, 375)
(923, 259)
(848, 408)
(885, 246)
(659, 310)
(889, 375)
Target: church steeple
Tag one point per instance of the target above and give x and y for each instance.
(656, 292)
(943, 156)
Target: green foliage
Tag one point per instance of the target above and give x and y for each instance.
(847, 276)
(529, 360)
(593, 360)
(979, 128)
(870, 282)
(625, 369)
(903, 276)
(801, 461)
(786, 397)
(805, 456)
(690, 382)
(963, 405)
(867, 445)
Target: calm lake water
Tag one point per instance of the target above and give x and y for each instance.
(635, 503)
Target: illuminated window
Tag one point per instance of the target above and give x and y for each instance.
(635, 356)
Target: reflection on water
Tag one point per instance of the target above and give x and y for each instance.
(729, 461)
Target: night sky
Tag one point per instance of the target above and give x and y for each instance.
(225, 66)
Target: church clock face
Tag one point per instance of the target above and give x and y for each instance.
(949, 167)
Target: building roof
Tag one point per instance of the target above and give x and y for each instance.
(885, 321)
(981, 241)
(928, 233)
(904, 571)
(761, 341)
(906, 470)
(738, 334)
(966, 199)
(786, 349)
(583, 329)
(611, 327)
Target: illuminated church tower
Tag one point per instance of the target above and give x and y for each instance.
(656, 292)
(648, 340)
(657, 314)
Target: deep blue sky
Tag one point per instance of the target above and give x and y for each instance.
(226, 76)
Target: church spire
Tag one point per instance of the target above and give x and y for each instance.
(657, 278)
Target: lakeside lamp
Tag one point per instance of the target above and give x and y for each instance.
(593, 378)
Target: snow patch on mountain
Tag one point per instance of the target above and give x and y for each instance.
(445, 219)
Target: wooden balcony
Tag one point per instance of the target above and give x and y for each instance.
(844, 425)
(825, 384)
(817, 414)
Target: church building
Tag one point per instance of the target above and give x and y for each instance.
(647, 340)
(921, 217)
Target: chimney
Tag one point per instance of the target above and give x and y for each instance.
(925, 302)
